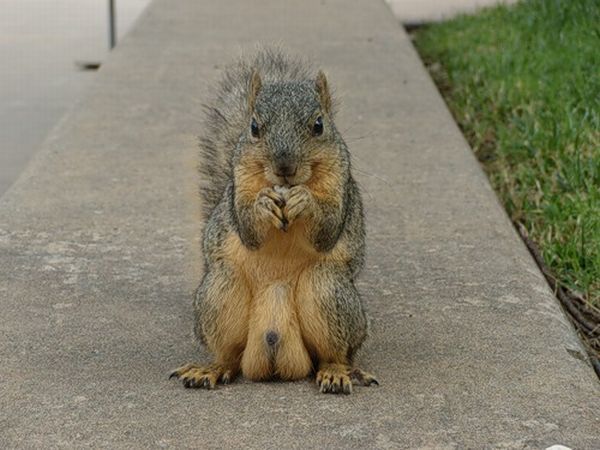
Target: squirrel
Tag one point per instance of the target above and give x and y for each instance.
(284, 237)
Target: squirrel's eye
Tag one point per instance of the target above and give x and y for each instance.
(254, 128)
(317, 129)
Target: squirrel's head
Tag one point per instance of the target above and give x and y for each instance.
(290, 129)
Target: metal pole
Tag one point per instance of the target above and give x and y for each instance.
(112, 25)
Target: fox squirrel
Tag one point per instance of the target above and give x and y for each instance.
(284, 238)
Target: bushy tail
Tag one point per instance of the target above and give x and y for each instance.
(228, 115)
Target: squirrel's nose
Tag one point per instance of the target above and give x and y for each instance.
(285, 170)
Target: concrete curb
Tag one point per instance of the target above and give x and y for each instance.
(98, 260)
(415, 12)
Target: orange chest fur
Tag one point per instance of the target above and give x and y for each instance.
(282, 257)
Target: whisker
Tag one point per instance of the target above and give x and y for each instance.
(377, 177)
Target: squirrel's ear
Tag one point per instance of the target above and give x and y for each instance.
(323, 90)
(253, 89)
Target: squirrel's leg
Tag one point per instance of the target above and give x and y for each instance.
(275, 346)
(221, 306)
(333, 325)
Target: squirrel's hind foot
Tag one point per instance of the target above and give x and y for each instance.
(338, 378)
(334, 379)
(196, 376)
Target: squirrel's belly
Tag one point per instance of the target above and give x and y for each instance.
(282, 258)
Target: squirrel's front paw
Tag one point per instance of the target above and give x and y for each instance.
(299, 201)
(268, 207)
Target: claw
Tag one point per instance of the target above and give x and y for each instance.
(325, 386)
(226, 378)
(364, 378)
(335, 387)
(348, 388)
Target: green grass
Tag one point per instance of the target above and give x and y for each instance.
(523, 82)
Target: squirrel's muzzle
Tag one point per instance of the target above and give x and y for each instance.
(285, 169)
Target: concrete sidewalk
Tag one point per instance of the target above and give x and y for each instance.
(98, 260)
(40, 41)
